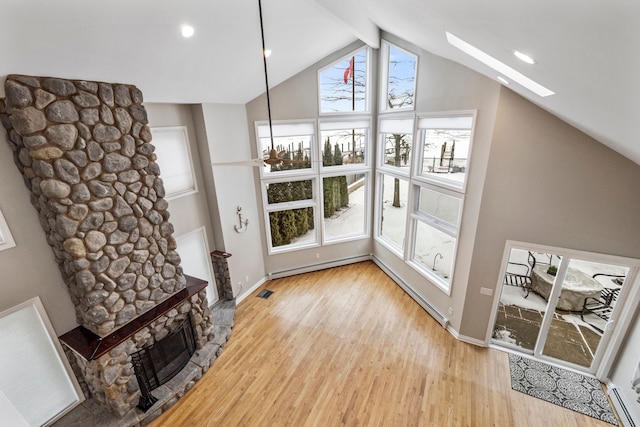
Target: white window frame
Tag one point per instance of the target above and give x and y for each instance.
(367, 94)
(417, 216)
(384, 77)
(23, 380)
(6, 239)
(454, 120)
(315, 173)
(384, 240)
(278, 207)
(401, 123)
(288, 128)
(346, 123)
(364, 234)
(629, 296)
(179, 135)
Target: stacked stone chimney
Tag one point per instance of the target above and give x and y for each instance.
(84, 149)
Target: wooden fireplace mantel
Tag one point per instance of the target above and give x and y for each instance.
(90, 346)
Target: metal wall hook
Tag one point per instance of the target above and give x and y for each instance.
(244, 223)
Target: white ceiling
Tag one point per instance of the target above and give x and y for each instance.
(587, 51)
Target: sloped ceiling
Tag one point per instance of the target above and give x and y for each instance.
(586, 50)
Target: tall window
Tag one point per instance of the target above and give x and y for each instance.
(345, 170)
(343, 84)
(319, 193)
(289, 188)
(443, 146)
(394, 166)
(398, 78)
(421, 180)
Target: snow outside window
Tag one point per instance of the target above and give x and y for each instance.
(435, 221)
(393, 194)
(345, 206)
(446, 148)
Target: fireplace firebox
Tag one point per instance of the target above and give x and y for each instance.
(158, 363)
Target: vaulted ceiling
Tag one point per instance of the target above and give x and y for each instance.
(586, 50)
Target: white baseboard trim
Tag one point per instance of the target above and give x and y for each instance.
(618, 401)
(250, 290)
(464, 338)
(426, 305)
(319, 266)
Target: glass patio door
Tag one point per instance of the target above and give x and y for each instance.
(559, 305)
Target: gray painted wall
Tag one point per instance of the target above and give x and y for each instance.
(227, 139)
(29, 269)
(548, 183)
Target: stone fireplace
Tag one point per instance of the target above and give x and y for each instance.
(84, 150)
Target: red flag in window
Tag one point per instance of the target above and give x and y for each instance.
(348, 73)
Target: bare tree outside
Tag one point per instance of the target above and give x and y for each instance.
(343, 85)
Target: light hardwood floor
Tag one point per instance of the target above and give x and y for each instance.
(347, 346)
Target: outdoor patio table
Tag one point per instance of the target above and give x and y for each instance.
(576, 287)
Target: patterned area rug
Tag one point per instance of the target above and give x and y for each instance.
(558, 386)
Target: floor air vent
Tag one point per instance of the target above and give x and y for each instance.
(265, 293)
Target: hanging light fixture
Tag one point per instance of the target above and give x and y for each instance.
(273, 158)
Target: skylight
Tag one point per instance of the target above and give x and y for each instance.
(498, 66)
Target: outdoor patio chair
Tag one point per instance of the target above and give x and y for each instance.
(519, 274)
(603, 305)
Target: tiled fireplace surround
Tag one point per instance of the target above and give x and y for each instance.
(84, 150)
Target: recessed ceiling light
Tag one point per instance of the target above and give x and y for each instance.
(187, 31)
(503, 80)
(500, 67)
(267, 53)
(524, 57)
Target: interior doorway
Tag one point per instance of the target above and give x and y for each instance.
(560, 305)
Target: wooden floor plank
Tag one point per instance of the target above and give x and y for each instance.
(347, 347)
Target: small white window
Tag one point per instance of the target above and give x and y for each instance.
(344, 143)
(195, 260)
(292, 142)
(445, 143)
(35, 375)
(396, 144)
(6, 239)
(174, 158)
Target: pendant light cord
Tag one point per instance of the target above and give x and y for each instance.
(266, 78)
